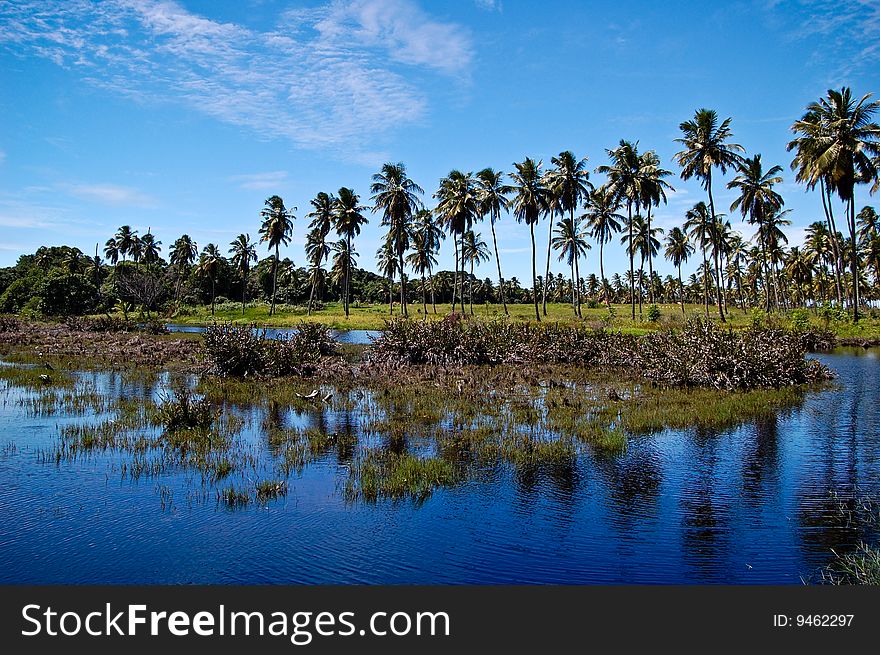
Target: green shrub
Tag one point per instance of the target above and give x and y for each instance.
(653, 313)
(62, 294)
(800, 319)
(185, 412)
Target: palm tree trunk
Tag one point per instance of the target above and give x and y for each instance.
(632, 273)
(829, 217)
(577, 277)
(602, 269)
(455, 276)
(716, 247)
(424, 298)
(641, 284)
(347, 289)
(244, 293)
(534, 274)
(547, 272)
(274, 281)
(402, 282)
(213, 295)
(680, 289)
(854, 255)
(650, 261)
(433, 299)
(471, 288)
(498, 263)
(705, 280)
(573, 301)
(311, 297)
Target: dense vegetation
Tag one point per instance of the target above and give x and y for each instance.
(835, 148)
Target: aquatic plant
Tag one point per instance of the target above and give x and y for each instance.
(380, 474)
(186, 412)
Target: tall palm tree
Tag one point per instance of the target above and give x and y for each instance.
(645, 243)
(868, 222)
(182, 255)
(652, 191)
(125, 240)
(397, 196)
(317, 249)
(699, 227)
(770, 233)
(492, 194)
(571, 242)
(427, 235)
(276, 229)
(348, 219)
(569, 183)
(840, 145)
(151, 248)
(757, 198)
(136, 248)
(458, 205)
(624, 183)
(422, 261)
(531, 200)
(387, 263)
(707, 146)
(243, 253)
(678, 251)
(474, 251)
(344, 260)
(603, 221)
(209, 262)
(111, 250)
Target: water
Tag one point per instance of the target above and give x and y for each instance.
(342, 336)
(750, 505)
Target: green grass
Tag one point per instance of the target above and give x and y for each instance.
(373, 317)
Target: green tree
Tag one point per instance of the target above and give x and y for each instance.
(492, 195)
(532, 199)
(276, 230)
(243, 253)
(348, 219)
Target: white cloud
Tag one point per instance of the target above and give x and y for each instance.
(258, 181)
(109, 194)
(330, 78)
(490, 5)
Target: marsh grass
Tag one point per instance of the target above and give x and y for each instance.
(379, 474)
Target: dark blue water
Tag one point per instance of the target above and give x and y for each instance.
(342, 336)
(755, 504)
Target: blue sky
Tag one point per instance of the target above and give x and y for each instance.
(184, 116)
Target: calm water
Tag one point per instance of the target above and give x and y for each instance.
(342, 336)
(748, 505)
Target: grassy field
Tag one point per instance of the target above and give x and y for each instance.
(373, 317)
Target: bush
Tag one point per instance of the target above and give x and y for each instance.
(62, 294)
(185, 412)
(17, 295)
(653, 313)
(242, 351)
(800, 319)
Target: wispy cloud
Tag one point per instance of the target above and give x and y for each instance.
(110, 194)
(846, 32)
(336, 77)
(258, 181)
(490, 5)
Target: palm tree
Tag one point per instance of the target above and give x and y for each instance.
(603, 221)
(209, 261)
(678, 251)
(624, 184)
(422, 260)
(492, 194)
(458, 204)
(243, 253)
(136, 248)
(568, 183)
(396, 195)
(111, 250)
(757, 198)
(771, 235)
(386, 261)
(182, 255)
(868, 222)
(707, 147)
(571, 242)
(150, 248)
(840, 145)
(348, 219)
(532, 199)
(277, 229)
(125, 240)
(652, 191)
(342, 263)
(473, 251)
(427, 235)
(698, 225)
(317, 249)
(644, 242)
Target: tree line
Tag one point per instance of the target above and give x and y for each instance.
(836, 148)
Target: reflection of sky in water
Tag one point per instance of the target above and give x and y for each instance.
(342, 336)
(747, 505)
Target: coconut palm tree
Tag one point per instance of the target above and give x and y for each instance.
(699, 227)
(136, 248)
(492, 196)
(652, 191)
(429, 234)
(125, 240)
(344, 260)
(571, 242)
(348, 219)
(603, 221)
(182, 255)
(111, 250)
(209, 262)
(757, 198)
(868, 222)
(645, 243)
(151, 248)
(624, 183)
(707, 147)
(840, 144)
(458, 205)
(474, 251)
(678, 251)
(770, 233)
(569, 183)
(386, 261)
(422, 260)
(532, 199)
(276, 229)
(397, 196)
(243, 253)
(317, 249)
